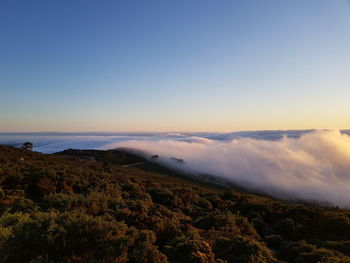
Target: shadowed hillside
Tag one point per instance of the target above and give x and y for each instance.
(86, 206)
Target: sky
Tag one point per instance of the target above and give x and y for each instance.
(187, 65)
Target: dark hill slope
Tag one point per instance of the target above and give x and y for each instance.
(70, 208)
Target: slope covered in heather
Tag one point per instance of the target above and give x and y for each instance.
(86, 206)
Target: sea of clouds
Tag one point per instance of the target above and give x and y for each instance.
(295, 165)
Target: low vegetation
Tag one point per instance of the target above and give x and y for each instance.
(85, 206)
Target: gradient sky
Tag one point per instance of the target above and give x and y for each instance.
(182, 65)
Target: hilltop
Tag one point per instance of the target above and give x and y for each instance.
(89, 206)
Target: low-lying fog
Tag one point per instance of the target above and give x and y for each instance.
(308, 165)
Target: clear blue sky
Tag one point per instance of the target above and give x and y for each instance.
(174, 65)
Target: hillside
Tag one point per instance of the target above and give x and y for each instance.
(86, 206)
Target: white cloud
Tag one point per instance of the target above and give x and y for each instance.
(309, 165)
(315, 166)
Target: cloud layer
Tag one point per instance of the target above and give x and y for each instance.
(295, 165)
(314, 166)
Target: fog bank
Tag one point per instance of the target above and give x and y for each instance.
(307, 165)
(314, 166)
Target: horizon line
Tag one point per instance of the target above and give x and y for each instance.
(162, 132)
